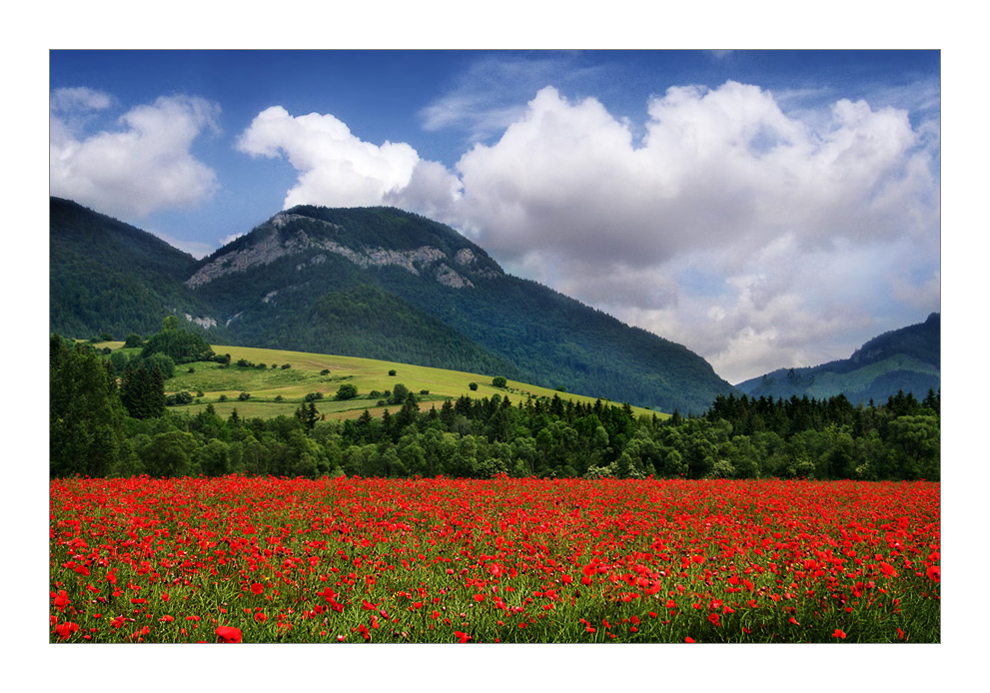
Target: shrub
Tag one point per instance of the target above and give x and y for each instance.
(133, 341)
(244, 396)
(473, 386)
(347, 391)
(178, 398)
(392, 372)
(162, 363)
(285, 366)
(499, 381)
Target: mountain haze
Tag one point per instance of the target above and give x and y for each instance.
(907, 359)
(373, 282)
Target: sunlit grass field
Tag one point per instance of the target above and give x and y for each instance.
(222, 386)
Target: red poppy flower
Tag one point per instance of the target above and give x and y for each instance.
(689, 639)
(257, 588)
(839, 633)
(934, 573)
(65, 630)
(229, 634)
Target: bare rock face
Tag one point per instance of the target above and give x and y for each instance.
(425, 260)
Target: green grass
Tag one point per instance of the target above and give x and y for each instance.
(305, 376)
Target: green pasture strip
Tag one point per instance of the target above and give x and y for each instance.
(304, 376)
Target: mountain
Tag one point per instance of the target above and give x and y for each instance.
(908, 360)
(379, 283)
(108, 276)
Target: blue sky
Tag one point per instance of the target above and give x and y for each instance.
(766, 209)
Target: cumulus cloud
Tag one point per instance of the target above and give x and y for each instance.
(143, 165)
(746, 231)
(335, 167)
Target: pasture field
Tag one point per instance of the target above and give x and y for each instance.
(349, 560)
(305, 375)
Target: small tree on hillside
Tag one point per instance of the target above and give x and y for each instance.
(346, 391)
(399, 394)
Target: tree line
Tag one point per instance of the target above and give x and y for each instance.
(100, 427)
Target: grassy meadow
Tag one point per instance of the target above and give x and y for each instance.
(278, 390)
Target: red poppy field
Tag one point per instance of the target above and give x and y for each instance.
(265, 560)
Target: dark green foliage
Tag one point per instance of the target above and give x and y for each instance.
(133, 341)
(107, 276)
(162, 363)
(178, 398)
(307, 415)
(142, 391)
(399, 394)
(182, 346)
(85, 413)
(346, 391)
(499, 381)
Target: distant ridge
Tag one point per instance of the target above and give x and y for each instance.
(903, 360)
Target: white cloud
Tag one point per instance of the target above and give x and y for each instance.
(336, 168)
(751, 234)
(142, 166)
(79, 98)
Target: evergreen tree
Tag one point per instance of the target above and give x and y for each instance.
(85, 413)
(142, 391)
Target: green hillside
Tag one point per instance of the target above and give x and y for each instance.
(278, 381)
(368, 282)
(271, 288)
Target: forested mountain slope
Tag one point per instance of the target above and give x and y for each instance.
(380, 283)
(107, 276)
